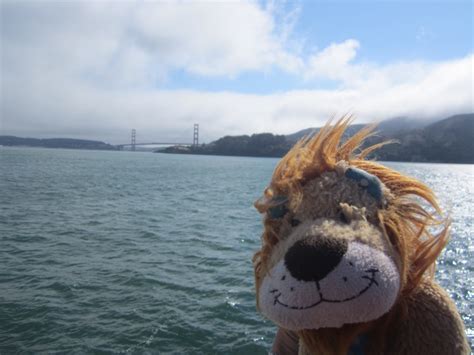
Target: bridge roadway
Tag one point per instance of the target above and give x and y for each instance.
(157, 143)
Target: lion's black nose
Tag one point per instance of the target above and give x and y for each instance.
(311, 259)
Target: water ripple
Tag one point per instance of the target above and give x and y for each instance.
(143, 253)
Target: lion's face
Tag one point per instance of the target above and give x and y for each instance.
(333, 264)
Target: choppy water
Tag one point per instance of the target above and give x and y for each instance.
(140, 252)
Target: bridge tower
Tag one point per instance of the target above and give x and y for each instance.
(134, 140)
(196, 135)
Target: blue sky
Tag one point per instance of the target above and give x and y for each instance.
(96, 69)
(390, 30)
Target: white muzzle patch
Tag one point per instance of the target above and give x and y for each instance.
(362, 287)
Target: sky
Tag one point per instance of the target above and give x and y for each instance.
(98, 69)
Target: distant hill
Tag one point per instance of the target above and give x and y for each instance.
(389, 127)
(396, 125)
(55, 143)
(449, 141)
(256, 145)
(294, 137)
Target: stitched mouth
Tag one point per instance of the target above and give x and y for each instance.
(370, 277)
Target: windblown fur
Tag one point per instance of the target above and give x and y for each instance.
(409, 214)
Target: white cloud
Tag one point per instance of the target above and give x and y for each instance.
(333, 62)
(423, 34)
(206, 39)
(137, 44)
(90, 69)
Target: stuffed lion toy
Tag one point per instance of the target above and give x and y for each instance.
(348, 254)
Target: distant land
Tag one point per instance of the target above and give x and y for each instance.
(450, 140)
(55, 143)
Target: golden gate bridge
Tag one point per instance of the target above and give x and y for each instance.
(133, 141)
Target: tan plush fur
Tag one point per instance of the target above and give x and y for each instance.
(424, 320)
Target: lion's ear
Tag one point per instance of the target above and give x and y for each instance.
(353, 213)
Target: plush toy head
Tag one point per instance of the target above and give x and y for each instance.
(343, 240)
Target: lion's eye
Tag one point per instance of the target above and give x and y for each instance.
(342, 217)
(295, 222)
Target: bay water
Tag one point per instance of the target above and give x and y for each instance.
(131, 252)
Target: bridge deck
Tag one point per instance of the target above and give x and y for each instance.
(153, 143)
